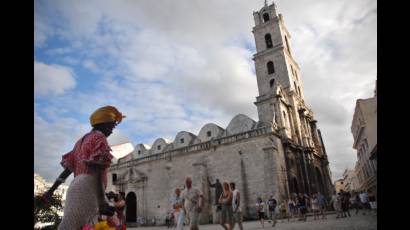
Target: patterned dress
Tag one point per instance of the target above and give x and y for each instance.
(81, 206)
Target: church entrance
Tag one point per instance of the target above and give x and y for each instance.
(131, 208)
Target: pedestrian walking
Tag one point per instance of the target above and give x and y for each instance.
(236, 207)
(260, 205)
(364, 199)
(226, 207)
(271, 210)
(177, 205)
(373, 202)
(302, 206)
(315, 206)
(322, 204)
(193, 203)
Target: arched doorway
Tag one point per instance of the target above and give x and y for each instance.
(131, 208)
(295, 186)
(320, 185)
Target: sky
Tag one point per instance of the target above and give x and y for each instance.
(176, 65)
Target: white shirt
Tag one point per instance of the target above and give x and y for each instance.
(234, 200)
(364, 198)
(260, 206)
(191, 198)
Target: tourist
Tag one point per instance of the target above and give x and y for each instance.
(271, 210)
(353, 202)
(177, 205)
(307, 199)
(337, 204)
(322, 204)
(372, 202)
(364, 199)
(119, 204)
(236, 207)
(292, 208)
(225, 200)
(315, 206)
(193, 203)
(345, 203)
(260, 205)
(168, 219)
(301, 203)
(89, 161)
(283, 211)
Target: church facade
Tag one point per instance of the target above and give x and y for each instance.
(281, 154)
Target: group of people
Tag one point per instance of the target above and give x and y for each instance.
(270, 206)
(188, 205)
(343, 201)
(296, 206)
(227, 204)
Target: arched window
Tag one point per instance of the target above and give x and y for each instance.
(284, 118)
(271, 68)
(265, 17)
(268, 41)
(296, 88)
(272, 82)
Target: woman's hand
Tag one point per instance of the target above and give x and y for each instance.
(105, 209)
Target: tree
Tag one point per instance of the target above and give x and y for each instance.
(46, 211)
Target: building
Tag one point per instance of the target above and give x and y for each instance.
(340, 185)
(281, 154)
(350, 180)
(364, 130)
(41, 186)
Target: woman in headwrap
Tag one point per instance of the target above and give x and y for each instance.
(89, 161)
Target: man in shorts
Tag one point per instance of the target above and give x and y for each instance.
(236, 206)
(272, 210)
(193, 203)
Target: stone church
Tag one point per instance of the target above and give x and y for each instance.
(281, 154)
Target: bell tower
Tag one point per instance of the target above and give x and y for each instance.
(276, 70)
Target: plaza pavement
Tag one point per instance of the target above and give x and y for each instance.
(356, 222)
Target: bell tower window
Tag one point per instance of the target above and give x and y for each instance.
(272, 83)
(268, 41)
(265, 17)
(271, 68)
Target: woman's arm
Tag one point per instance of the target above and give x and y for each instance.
(61, 179)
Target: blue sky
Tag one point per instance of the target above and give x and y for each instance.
(178, 65)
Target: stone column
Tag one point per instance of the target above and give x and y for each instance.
(200, 181)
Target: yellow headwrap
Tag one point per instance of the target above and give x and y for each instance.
(106, 114)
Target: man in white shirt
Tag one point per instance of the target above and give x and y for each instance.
(364, 199)
(193, 202)
(236, 206)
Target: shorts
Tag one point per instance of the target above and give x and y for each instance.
(303, 209)
(226, 214)
(193, 217)
(237, 217)
(373, 205)
(261, 215)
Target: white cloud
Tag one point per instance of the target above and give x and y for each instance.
(52, 79)
(89, 64)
